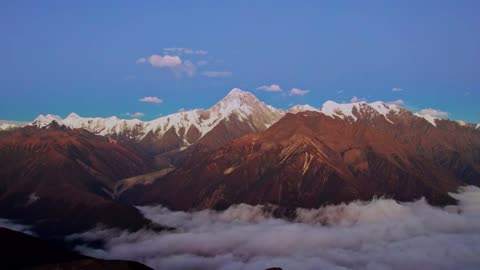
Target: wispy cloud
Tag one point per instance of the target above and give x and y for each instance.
(188, 68)
(298, 92)
(135, 115)
(357, 99)
(397, 89)
(151, 100)
(185, 51)
(141, 60)
(270, 88)
(434, 113)
(217, 74)
(398, 102)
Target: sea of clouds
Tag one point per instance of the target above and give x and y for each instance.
(381, 234)
(6, 223)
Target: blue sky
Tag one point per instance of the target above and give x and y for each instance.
(64, 56)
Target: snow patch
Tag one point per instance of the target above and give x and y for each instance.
(431, 119)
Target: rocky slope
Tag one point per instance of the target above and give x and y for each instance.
(61, 179)
(345, 152)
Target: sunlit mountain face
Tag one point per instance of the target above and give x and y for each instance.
(268, 135)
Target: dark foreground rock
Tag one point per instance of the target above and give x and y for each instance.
(22, 251)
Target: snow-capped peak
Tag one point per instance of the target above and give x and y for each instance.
(346, 110)
(45, 120)
(238, 93)
(240, 104)
(73, 115)
(237, 101)
(302, 108)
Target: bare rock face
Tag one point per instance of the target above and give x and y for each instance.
(61, 179)
(309, 159)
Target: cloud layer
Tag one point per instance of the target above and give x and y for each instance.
(382, 235)
(5, 223)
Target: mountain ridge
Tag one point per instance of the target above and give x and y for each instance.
(309, 159)
(198, 118)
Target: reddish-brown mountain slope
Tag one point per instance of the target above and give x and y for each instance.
(59, 179)
(309, 159)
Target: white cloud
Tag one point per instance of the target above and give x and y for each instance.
(181, 110)
(270, 88)
(396, 89)
(434, 113)
(298, 92)
(216, 74)
(141, 60)
(356, 99)
(135, 115)
(381, 234)
(174, 63)
(398, 102)
(164, 61)
(151, 100)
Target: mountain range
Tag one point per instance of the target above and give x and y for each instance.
(68, 175)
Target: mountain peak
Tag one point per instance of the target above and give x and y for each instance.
(235, 100)
(302, 108)
(73, 115)
(237, 92)
(45, 120)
